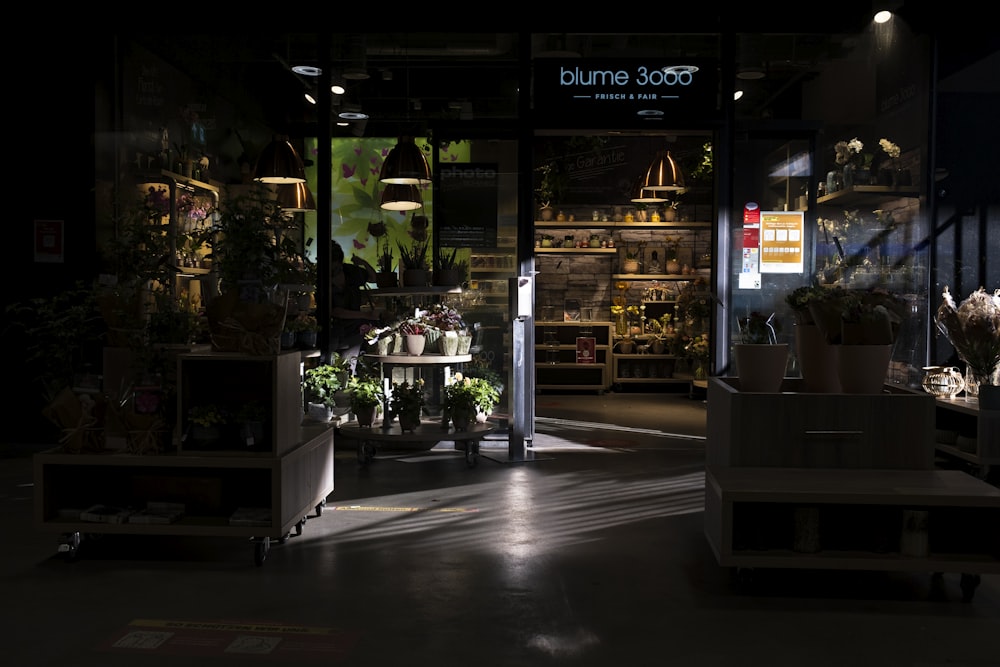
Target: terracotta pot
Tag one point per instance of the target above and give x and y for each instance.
(414, 278)
(366, 415)
(761, 368)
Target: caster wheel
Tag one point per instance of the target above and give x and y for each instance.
(298, 527)
(471, 458)
(284, 538)
(69, 545)
(261, 548)
(969, 583)
(319, 508)
(365, 454)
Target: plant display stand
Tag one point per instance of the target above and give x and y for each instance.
(428, 432)
(227, 488)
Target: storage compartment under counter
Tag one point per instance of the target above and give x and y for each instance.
(812, 430)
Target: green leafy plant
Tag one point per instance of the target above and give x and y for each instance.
(470, 394)
(408, 398)
(365, 392)
(414, 256)
(321, 383)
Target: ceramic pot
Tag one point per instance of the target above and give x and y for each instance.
(630, 266)
(449, 345)
(414, 278)
(464, 345)
(415, 344)
(409, 421)
(761, 368)
(817, 360)
(862, 368)
(366, 415)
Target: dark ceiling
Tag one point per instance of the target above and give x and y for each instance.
(417, 80)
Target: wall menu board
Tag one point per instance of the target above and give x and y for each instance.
(467, 205)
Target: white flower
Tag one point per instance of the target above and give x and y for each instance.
(891, 149)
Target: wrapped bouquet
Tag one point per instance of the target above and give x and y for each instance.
(973, 328)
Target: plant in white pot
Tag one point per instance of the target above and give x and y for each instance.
(760, 359)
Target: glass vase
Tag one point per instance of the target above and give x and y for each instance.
(974, 378)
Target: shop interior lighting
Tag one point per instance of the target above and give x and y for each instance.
(882, 16)
(643, 196)
(663, 175)
(295, 197)
(352, 112)
(279, 162)
(396, 197)
(405, 164)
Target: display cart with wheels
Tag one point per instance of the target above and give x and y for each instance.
(428, 434)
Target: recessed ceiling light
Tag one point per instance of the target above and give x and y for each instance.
(351, 112)
(307, 70)
(883, 16)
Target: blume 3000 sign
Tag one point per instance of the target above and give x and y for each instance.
(678, 75)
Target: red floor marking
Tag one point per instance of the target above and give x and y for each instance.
(274, 641)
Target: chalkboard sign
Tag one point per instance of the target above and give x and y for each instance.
(466, 205)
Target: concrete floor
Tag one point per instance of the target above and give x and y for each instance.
(591, 553)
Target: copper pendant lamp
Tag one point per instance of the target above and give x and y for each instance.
(405, 165)
(295, 197)
(397, 197)
(279, 162)
(643, 195)
(663, 175)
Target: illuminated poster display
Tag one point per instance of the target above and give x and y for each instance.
(781, 241)
(750, 266)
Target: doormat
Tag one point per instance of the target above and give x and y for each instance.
(276, 642)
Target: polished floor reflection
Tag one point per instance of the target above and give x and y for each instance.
(591, 553)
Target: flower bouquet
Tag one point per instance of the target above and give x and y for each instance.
(973, 329)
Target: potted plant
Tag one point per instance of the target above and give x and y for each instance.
(414, 263)
(307, 328)
(206, 423)
(817, 359)
(760, 359)
(320, 385)
(448, 270)
(468, 399)
(385, 262)
(407, 402)
(248, 315)
(366, 397)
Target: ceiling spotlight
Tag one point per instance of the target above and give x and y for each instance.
(882, 16)
(352, 112)
(307, 70)
(337, 85)
(356, 73)
(737, 95)
(310, 99)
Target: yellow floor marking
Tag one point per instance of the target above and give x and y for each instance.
(230, 627)
(376, 508)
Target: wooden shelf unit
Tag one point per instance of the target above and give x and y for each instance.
(283, 479)
(802, 480)
(555, 356)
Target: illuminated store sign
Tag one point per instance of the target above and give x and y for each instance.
(629, 92)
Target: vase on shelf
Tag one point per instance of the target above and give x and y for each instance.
(942, 381)
(414, 278)
(464, 344)
(673, 266)
(630, 266)
(975, 379)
